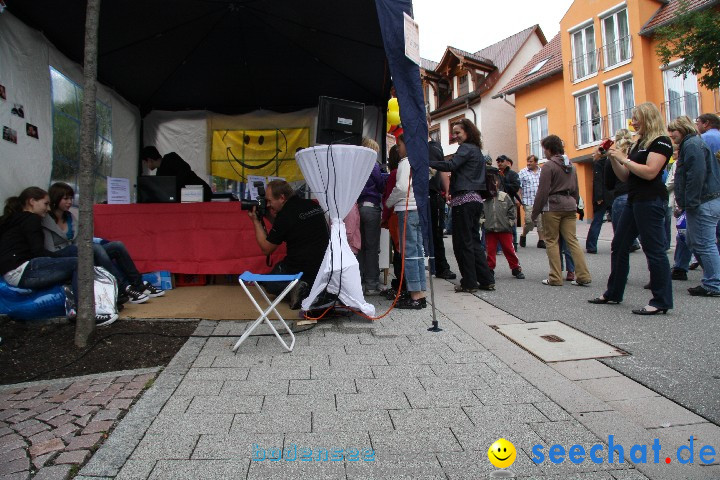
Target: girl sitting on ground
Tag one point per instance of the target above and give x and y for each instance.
(61, 227)
(24, 261)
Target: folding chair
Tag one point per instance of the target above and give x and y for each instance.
(256, 279)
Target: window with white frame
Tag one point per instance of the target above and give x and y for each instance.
(67, 98)
(681, 95)
(616, 33)
(537, 130)
(584, 60)
(620, 102)
(589, 124)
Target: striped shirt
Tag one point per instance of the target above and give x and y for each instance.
(529, 182)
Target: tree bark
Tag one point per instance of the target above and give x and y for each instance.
(88, 132)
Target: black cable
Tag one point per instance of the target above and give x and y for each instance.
(99, 340)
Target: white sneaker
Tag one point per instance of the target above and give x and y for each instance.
(136, 296)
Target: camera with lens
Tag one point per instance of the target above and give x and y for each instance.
(605, 146)
(259, 204)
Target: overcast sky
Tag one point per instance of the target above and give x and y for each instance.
(474, 24)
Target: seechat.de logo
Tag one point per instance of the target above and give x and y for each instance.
(615, 453)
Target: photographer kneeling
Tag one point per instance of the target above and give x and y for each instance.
(301, 224)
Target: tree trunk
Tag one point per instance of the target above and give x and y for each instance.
(88, 131)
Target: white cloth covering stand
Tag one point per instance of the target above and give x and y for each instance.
(336, 175)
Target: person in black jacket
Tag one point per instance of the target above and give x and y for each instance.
(466, 182)
(439, 185)
(601, 199)
(623, 139)
(24, 262)
(172, 165)
(510, 185)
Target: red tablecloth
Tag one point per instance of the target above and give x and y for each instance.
(195, 238)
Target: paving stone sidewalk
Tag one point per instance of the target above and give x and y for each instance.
(399, 402)
(50, 428)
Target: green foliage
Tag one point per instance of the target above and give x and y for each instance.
(694, 36)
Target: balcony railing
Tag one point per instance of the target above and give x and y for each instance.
(592, 131)
(617, 120)
(585, 65)
(617, 52)
(688, 104)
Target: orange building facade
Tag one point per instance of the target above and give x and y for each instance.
(584, 83)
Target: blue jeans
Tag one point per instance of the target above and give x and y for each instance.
(702, 223)
(682, 254)
(565, 252)
(115, 258)
(595, 226)
(103, 256)
(43, 272)
(617, 208)
(369, 256)
(413, 250)
(646, 218)
(668, 226)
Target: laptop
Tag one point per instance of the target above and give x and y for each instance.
(157, 189)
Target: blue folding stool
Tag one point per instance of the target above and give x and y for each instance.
(256, 279)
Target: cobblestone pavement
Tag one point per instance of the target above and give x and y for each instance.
(48, 429)
(427, 405)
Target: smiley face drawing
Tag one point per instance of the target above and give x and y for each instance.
(502, 453)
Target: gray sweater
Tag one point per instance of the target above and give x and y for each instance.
(55, 238)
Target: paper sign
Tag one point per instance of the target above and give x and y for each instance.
(251, 188)
(270, 179)
(412, 39)
(118, 190)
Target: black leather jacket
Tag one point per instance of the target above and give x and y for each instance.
(467, 167)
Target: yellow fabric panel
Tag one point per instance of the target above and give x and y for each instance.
(235, 151)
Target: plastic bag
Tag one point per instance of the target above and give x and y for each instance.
(106, 292)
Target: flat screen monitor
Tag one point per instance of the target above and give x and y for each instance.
(339, 121)
(156, 189)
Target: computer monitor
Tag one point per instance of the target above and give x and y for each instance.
(157, 189)
(339, 121)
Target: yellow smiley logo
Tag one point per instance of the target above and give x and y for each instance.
(502, 453)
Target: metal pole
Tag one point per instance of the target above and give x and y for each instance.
(435, 327)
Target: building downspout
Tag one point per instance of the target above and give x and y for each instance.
(467, 104)
(506, 101)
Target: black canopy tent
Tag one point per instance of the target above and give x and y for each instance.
(226, 56)
(239, 56)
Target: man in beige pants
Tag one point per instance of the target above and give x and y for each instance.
(556, 199)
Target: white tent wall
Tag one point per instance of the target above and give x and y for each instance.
(25, 60)
(189, 134)
(185, 133)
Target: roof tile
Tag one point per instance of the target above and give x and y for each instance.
(666, 13)
(553, 52)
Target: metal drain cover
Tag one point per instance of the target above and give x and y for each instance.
(556, 342)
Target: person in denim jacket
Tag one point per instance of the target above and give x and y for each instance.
(697, 191)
